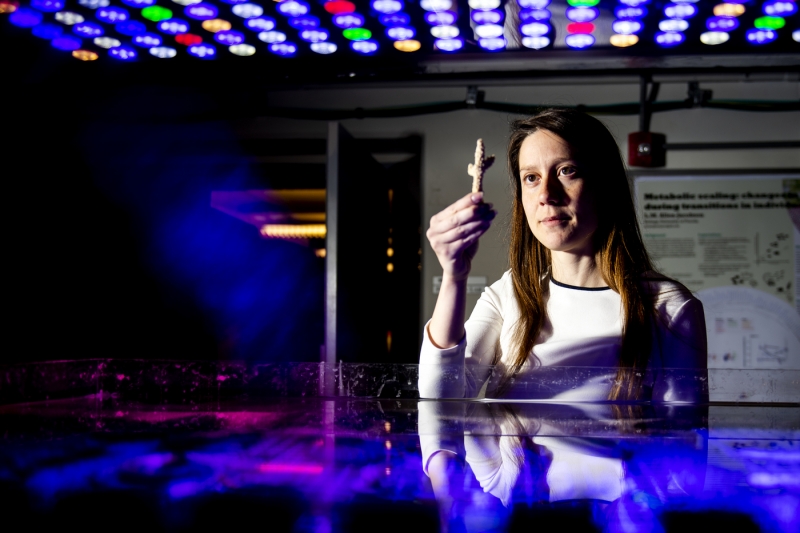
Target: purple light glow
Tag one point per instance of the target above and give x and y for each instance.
(348, 20)
(631, 12)
(534, 15)
(756, 36)
(47, 31)
(579, 41)
(260, 24)
(201, 11)
(48, 6)
(202, 51)
(314, 35)
(779, 8)
(305, 22)
(139, 3)
(25, 18)
(400, 33)
(173, 26)
(130, 27)
(669, 38)
(582, 14)
(229, 37)
(533, 4)
(88, 29)
(147, 40)
(494, 16)
(366, 47)
(680, 11)
(284, 49)
(440, 18)
(123, 53)
(722, 23)
(112, 15)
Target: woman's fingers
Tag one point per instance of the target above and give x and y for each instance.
(449, 219)
(464, 231)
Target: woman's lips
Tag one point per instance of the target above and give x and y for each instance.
(556, 220)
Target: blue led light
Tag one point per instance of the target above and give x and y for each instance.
(147, 40)
(631, 12)
(756, 36)
(49, 6)
(582, 14)
(139, 3)
(234, 2)
(130, 27)
(534, 15)
(173, 26)
(283, 49)
(387, 6)
(229, 37)
(88, 29)
(123, 53)
(293, 8)
(314, 35)
(202, 51)
(626, 27)
(680, 11)
(201, 11)
(492, 43)
(579, 41)
(534, 29)
(323, 48)
(533, 4)
(93, 4)
(306, 22)
(673, 25)
(634, 3)
(400, 33)
(779, 8)
(247, 10)
(722, 24)
(260, 23)
(494, 16)
(47, 31)
(112, 14)
(67, 43)
(439, 18)
(448, 45)
(537, 43)
(348, 20)
(366, 47)
(669, 38)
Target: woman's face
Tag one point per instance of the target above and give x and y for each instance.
(559, 208)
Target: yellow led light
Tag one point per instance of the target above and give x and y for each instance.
(409, 45)
(389, 267)
(728, 10)
(215, 25)
(389, 252)
(84, 55)
(293, 231)
(320, 252)
(621, 41)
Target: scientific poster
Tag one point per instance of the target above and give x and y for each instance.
(735, 242)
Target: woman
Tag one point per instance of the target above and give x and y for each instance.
(581, 291)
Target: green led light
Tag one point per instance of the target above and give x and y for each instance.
(769, 23)
(156, 13)
(357, 34)
(583, 3)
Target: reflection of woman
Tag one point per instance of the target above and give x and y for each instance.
(581, 290)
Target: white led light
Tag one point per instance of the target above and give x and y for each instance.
(272, 36)
(323, 48)
(626, 27)
(673, 25)
(247, 11)
(364, 47)
(484, 5)
(796, 36)
(261, 24)
(94, 4)
(436, 5)
(387, 6)
(107, 42)
(449, 45)
(534, 29)
(488, 31)
(187, 2)
(314, 36)
(444, 32)
(243, 49)
(163, 52)
(400, 33)
(714, 37)
(292, 8)
(537, 43)
(69, 18)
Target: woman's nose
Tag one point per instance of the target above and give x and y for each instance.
(550, 192)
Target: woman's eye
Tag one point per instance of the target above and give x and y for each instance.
(566, 171)
(530, 178)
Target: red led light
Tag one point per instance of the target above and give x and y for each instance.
(188, 39)
(334, 7)
(580, 27)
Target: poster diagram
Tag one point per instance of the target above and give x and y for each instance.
(735, 242)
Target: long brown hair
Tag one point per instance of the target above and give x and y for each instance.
(619, 251)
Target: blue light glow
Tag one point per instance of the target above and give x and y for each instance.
(673, 25)
(306, 22)
(314, 35)
(492, 43)
(229, 37)
(448, 45)
(494, 16)
(756, 36)
(201, 11)
(202, 51)
(49, 6)
(680, 11)
(283, 49)
(534, 15)
(631, 12)
(634, 3)
(293, 8)
(348, 20)
(88, 29)
(25, 18)
(442, 18)
(387, 6)
(247, 10)
(173, 26)
(112, 15)
(722, 23)
(626, 27)
(323, 48)
(537, 43)
(534, 29)
(272, 36)
(779, 8)
(669, 38)
(489, 31)
(533, 4)
(366, 47)
(163, 52)
(123, 53)
(93, 4)
(130, 27)
(47, 31)
(139, 3)
(260, 23)
(400, 33)
(147, 40)
(579, 41)
(582, 14)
